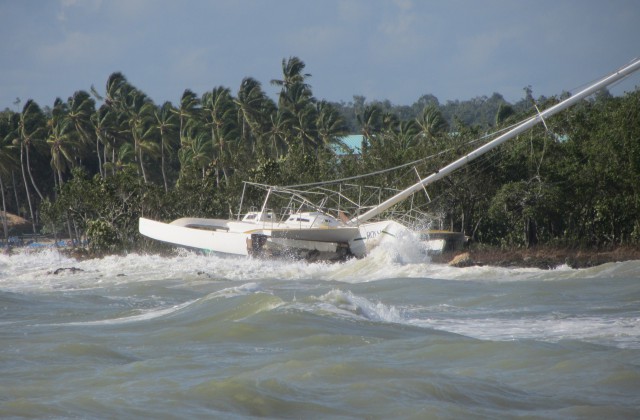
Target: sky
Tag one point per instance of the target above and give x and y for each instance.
(396, 50)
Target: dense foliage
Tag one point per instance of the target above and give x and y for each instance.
(87, 168)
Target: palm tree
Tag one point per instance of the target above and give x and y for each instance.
(164, 123)
(128, 121)
(139, 112)
(301, 104)
(279, 131)
(63, 145)
(405, 140)
(118, 89)
(370, 121)
(29, 132)
(189, 108)
(254, 109)
(81, 107)
(292, 75)
(431, 122)
(123, 157)
(219, 112)
(195, 153)
(8, 161)
(330, 124)
(103, 122)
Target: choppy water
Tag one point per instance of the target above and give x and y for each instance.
(384, 337)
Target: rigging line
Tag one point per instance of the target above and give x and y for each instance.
(582, 86)
(382, 171)
(404, 165)
(481, 166)
(541, 117)
(423, 187)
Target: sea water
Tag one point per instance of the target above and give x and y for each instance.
(388, 336)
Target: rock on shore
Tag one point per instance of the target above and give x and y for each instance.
(543, 258)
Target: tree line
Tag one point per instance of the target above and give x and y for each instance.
(90, 166)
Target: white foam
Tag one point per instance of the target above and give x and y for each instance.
(399, 257)
(242, 290)
(143, 315)
(623, 332)
(345, 302)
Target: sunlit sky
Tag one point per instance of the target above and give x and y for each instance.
(380, 49)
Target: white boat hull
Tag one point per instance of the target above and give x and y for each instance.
(241, 238)
(207, 240)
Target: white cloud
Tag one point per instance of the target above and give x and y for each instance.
(77, 48)
(131, 9)
(402, 33)
(68, 7)
(404, 5)
(354, 11)
(319, 39)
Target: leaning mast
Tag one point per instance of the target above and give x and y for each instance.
(602, 83)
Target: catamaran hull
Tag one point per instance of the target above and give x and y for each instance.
(216, 241)
(216, 235)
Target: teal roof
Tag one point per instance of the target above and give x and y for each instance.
(352, 141)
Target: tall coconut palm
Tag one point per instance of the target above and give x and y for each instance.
(431, 122)
(370, 121)
(8, 161)
(330, 124)
(195, 154)
(292, 75)
(124, 101)
(103, 122)
(254, 109)
(188, 110)
(63, 142)
(279, 132)
(29, 132)
(165, 124)
(123, 158)
(139, 112)
(81, 107)
(118, 89)
(219, 113)
(297, 98)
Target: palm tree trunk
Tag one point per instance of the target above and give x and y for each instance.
(102, 175)
(226, 177)
(15, 190)
(164, 176)
(113, 160)
(66, 212)
(31, 176)
(4, 216)
(144, 173)
(26, 188)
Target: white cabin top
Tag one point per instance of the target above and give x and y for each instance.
(258, 216)
(313, 219)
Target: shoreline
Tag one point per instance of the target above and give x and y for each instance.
(542, 257)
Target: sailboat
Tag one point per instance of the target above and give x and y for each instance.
(302, 229)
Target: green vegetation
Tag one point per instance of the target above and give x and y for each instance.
(89, 167)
